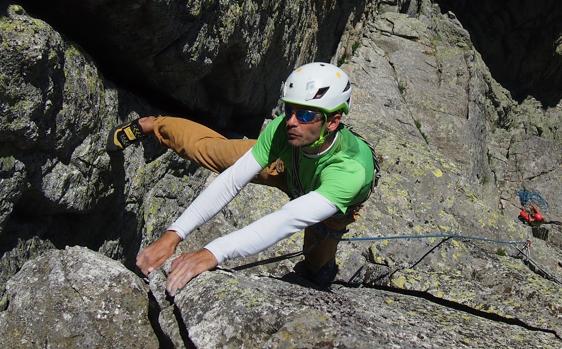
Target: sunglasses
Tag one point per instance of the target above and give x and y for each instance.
(303, 116)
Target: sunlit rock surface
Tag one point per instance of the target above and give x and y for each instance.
(455, 148)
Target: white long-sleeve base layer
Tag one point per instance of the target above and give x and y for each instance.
(296, 215)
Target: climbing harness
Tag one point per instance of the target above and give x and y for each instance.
(376, 160)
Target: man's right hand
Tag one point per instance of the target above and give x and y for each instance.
(158, 252)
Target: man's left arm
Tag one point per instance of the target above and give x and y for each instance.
(296, 215)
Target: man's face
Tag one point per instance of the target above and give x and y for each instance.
(301, 133)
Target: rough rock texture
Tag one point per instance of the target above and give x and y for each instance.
(436, 131)
(58, 186)
(76, 298)
(455, 148)
(231, 311)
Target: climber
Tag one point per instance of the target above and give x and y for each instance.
(326, 170)
(531, 216)
(532, 203)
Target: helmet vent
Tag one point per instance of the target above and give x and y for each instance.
(347, 87)
(321, 92)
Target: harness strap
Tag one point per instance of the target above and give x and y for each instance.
(377, 168)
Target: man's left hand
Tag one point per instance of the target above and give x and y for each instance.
(187, 266)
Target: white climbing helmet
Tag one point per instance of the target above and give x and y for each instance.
(319, 85)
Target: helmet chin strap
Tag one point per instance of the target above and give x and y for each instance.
(323, 135)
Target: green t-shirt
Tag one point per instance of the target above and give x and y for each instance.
(343, 174)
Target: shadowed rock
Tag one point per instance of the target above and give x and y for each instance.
(224, 59)
(55, 175)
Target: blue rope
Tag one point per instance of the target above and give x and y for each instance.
(434, 235)
(527, 198)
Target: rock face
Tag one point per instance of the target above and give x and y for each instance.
(55, 176)
(455, 149)
(437, 143)
(224, 59)
(76, 298)
(521, 42)
(234, 311)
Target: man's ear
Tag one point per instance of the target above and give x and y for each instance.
(333, 122)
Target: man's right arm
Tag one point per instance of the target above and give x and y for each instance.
(156, 254)
(219, 193)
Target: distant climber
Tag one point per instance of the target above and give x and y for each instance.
(531, 216)
(327, 171)
(532, 202)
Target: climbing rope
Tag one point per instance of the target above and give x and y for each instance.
(528, 198)
(524, 250)
(435, 235)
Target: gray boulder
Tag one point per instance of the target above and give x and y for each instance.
(420, 88)
(76, 298)
(220, 309)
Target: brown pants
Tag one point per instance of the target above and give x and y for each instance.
(213, 151)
